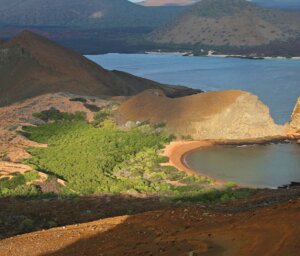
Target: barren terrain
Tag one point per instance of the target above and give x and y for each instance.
(262, 225)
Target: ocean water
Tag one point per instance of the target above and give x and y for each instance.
(275, 81)
(263, 166)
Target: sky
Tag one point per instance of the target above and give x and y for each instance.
(282, 3)
(275, 1)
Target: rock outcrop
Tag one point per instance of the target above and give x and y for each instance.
(295, 119)
(223, 115)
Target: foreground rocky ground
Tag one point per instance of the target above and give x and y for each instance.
(265, 224)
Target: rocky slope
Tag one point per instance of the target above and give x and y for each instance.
(267, 229)
(31, 65)
(230, 23)
(295, 119)
(12, 144)
(224, 115)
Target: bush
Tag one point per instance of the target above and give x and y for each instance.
(16, 186)
(83, 100)
(55, 115)
(31, 176)
(100, 117)
(92, 107)
(27, 225)
(51, 224)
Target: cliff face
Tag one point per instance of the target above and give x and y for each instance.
(295, 119)
(224, 115)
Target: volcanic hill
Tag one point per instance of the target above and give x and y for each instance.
(31, 65)
(231, 23)
(223, 115)
(82, 14)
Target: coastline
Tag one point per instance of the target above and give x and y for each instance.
(176, 151)
(187, 53)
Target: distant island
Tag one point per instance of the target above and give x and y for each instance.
(230, 27)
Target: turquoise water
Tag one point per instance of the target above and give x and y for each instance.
(276, 81)
(261, 166)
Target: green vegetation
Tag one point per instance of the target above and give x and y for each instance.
(17, 185)
(55, 115)
(101, 158)
(92, 107)
(213, 195)
(27, 225)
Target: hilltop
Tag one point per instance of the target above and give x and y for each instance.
(83, 14)
(203, 116)
(233, 25)
(31, 65)
(286, 4)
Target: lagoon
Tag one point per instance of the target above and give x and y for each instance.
(261, 166)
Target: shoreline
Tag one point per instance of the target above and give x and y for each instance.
(177, 151)
(191, 54)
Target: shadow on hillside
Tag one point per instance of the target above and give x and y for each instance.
(23, 215)
(171, 232)
(138, 236)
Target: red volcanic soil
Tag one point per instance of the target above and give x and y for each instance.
(230, 229)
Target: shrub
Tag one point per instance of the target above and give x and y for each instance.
(160, 125)
(31, 176)
(79, 100)
(55, 115)
(100, 117)
(230, 184)
(51, 224)
(27, 225)
(92, 107)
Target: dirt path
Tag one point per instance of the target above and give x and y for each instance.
(196, 230)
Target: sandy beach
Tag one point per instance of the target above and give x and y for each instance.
(177, 150)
